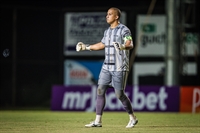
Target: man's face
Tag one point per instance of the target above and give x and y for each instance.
(111, 16)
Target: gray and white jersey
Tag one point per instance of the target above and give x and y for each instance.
(116, 60)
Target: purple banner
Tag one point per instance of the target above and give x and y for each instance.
(143, 98)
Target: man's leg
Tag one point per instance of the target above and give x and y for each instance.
(100, 104)
(124, 100)
(127, 106)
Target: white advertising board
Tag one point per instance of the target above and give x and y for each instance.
(156, 69)
(86, 27)
(81, 72)
(151, 35)
(191, 44)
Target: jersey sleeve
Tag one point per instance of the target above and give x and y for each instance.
(126, 34)
(103, 39)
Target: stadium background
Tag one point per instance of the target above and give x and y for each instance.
(33, 32)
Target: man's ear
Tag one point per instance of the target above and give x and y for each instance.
(117, 17)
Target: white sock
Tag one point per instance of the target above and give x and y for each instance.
(98, 119)
(132, 117)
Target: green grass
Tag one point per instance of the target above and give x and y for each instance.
(113, 122)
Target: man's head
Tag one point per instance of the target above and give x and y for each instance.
(113, 15)
(117, 11)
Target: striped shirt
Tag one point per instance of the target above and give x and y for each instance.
(116, 60)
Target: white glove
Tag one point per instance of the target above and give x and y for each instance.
(81, 46)
(119, 46)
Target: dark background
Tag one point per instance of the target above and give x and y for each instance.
(33, 33)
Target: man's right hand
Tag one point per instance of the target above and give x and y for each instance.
(80, 46)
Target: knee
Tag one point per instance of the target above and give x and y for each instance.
(120, 95)
(100, 91)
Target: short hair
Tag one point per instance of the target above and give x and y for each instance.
(117, 10)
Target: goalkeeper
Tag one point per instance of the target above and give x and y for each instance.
(117, 42)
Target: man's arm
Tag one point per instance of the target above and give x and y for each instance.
(97, 46)
(128, 44)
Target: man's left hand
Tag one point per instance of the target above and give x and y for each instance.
(119, 46)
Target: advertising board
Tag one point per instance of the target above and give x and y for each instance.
(190, 99)
(86, 27)
(143, 98)
(151, 35)
(81, 72)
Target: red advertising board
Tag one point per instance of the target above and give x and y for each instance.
(190, 99)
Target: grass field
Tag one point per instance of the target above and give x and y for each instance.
(113, 122)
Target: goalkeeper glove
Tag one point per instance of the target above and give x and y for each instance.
(119, 46)
(81, 46)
